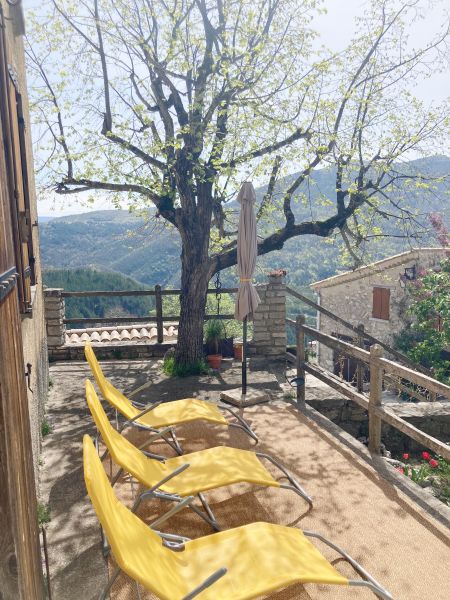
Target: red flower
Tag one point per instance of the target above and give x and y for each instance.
(426, 455)
(434, 463)
(401, 470)
(406, 456)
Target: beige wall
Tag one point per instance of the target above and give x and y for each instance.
(33, 325)
(351, 300)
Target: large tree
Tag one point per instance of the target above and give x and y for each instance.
(175, 102)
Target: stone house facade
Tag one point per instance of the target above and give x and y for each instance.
(373, 296)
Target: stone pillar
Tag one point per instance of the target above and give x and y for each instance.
(54, 315)
(269, 326)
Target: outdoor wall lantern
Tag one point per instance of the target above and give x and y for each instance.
(409, 275)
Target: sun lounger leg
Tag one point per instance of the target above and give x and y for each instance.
(173, 443)
(212, 519)
(177, 447)
(369, 581)
(138, 593)
(242, 423)
(104, 592)
(295, 486)
(116, 477)
(105, 544)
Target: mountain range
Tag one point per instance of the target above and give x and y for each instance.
(131, 244)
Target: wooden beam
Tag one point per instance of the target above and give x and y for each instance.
(405, 373)
(376, 390)
(300, 361)
(420, 436)
(339, 345)
(373, 340)
(344, 388)
(159, 314)
(118, 293)
(132, 320)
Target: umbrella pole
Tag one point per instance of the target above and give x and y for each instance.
(244, 357)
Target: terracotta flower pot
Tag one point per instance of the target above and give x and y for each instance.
(214, 361)
(237, 348)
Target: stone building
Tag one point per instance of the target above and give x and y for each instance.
(23, 349)
(373, 296)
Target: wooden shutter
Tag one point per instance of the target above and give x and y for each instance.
(20, 560)
(380, 303)
(19, 190)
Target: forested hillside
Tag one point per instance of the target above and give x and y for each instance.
(88, 279)
(132, 245)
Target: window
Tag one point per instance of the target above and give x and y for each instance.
(18, 181)
(380, 305)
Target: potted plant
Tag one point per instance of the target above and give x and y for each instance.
(214, 333)
(237, 349)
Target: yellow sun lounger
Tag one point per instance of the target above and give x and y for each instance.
(237, 564)
(184, 476)
(162, 414)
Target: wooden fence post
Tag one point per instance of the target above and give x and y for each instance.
(159, 314)
(432, 395)
(300, 342)
(376, 388)
(360, 366)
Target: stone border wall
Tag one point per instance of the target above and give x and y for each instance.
(110, 352)
(54, 316)
(269, 326)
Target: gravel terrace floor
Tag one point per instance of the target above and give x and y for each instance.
(392, 537)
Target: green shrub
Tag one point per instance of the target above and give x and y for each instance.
(43, 512)
(46, 428)
(174, 369)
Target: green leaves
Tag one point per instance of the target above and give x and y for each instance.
(430, 308)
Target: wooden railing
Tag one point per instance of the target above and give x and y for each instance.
(159, 318)
(379, 367)
(359, 331)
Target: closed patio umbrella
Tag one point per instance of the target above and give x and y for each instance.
(247, 299)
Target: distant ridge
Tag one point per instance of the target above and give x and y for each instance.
(119, 241)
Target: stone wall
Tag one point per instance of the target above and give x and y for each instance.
(354, 420)
(350, 297)
(128, 351)
(269, 326)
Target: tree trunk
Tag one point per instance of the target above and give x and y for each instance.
(195, 275)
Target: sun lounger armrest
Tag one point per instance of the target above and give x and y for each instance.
(140, 414)
(172, 537)
(206, 584)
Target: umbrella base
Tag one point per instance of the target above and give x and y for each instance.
(252, 396)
